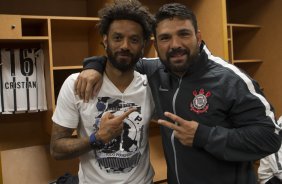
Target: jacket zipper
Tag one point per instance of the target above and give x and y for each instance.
(172, 135)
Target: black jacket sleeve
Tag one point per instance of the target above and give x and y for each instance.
(148, 66)
(95, 62)
(255, 133)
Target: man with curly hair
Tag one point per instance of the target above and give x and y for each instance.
(112, 141)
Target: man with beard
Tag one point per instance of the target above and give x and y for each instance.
(215, 119)
(112, 141)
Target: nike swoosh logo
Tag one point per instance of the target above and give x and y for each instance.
(162, 89)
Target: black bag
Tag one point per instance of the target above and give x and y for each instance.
(67, 178)
(274, 180)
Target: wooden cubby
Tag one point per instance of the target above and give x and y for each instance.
(254, 41)
(78, 36)
(34, 27)
(150, 50)
(60, 75)
(244, 32)
(240, 35)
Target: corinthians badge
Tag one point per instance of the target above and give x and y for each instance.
(200, 102)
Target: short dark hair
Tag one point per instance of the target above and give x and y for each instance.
(126, 10)
(171, 10)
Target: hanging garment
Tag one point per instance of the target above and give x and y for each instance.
(22, 82)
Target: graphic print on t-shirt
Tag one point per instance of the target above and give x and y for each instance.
(121, 154)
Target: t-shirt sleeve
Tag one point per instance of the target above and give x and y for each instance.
(66, 113)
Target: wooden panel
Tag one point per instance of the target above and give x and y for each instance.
(33, 165)
(45, 7)
(156, 154)
(96, 47)
(70, 41)
(246, 12)
(150, 51)
(154, 5)
(267, 47)
(93, 6)
(49, 82)
(1, 178)
(20, 130)
(10, 27)
(264, 44)
(230, 51)
(213, 25)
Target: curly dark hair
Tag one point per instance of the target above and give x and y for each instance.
(168, 11)
(126, 10)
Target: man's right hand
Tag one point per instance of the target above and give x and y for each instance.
(88, 84)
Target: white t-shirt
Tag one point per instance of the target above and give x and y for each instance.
(126, 158)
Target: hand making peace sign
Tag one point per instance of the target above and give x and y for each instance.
(184, 130)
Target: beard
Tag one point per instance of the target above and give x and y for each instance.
(180, 68)
(122, 64)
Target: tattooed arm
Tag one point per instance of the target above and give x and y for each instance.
(66, 119)
(65, 146)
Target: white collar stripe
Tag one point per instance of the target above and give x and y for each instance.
(249, 83)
